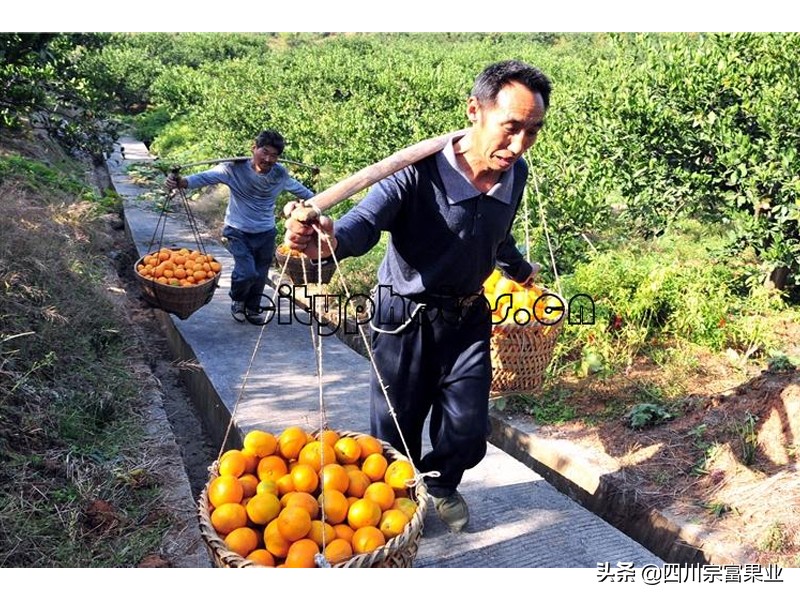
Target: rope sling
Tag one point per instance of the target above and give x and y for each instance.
(316, 342)
(179, 300)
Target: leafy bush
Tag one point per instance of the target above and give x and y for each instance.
(678, 286)
(42, 83)
(646, 415)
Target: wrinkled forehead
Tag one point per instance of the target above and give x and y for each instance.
(518, 104)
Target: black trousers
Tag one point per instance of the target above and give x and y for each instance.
(438, 363)
(252, 256)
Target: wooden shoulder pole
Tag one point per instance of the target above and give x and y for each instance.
(377, 171)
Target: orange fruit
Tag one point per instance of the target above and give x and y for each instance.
(407, 505)
(374, 466)
(285, 484)
(275, 543)
(317, 454)
(233, 462)
(272, 467)
(398, 473)
(249, 485)
(335, 505)
(242, 540)
(224, 489)
(393, 521)
(369, 445)
(262, 508)
(315, 533)
(491, 281)
(506, 286)
(338, 551)
(303, 500)
(367, 539)
(343, 531)
(334, 476)
(228, 517)
(329, 436)
(358, 483)
(363, 513)
(294, 523)
(261, 557)
(252, 460)
(267, 486)
(291, 441)
(261, 443)
(347, 450)
(301, 554)
(304, 478)
(380, 493)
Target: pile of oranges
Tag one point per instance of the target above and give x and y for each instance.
(511, 303)
(280, 501)
(179, 267)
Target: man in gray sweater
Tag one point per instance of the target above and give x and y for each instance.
(254, 186)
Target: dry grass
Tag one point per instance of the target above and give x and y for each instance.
(79, 487)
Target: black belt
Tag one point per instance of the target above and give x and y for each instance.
(446, 302)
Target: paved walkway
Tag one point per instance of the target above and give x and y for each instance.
(518, 519)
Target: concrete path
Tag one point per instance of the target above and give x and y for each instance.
(266, 378)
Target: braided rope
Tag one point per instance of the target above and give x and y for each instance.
(322, 235)
(240, 395)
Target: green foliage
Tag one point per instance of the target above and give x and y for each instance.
(780, 363)
(647, 414)
(550, 407)
(774, 539)
(42, 82)
(717, 509)
(748, 438)
(678, 286)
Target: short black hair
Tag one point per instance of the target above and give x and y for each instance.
(492, 79)
(270, 137)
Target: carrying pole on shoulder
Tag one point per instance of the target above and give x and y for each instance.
(372, 174)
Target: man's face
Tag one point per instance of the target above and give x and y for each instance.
(503, 131)
(264, 159)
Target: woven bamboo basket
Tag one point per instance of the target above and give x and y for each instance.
(398, 552)
(521, 354)
(302, 269)
(179, 301)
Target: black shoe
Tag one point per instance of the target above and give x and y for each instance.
(237, 311)
(256, 317)
(453, 511)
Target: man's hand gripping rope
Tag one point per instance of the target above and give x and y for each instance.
(307, 228)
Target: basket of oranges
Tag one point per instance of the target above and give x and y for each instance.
(302, 499)
(301, 269)
(178, 280)
(525, 326)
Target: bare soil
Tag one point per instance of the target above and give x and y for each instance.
(726, 464)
